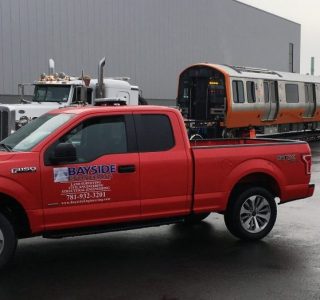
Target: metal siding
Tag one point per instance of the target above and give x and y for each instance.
(15, 43)
(25, 42)
(6, 46)
(1, 49)
(150, 41)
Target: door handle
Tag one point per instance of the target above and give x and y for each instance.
(127, 169)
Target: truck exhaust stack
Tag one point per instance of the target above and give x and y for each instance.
(51, 66)
(100, 85)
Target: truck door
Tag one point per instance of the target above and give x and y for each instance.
(101, 184)
(124, 96)
(165, 168)
(310, 96)
(271, 100)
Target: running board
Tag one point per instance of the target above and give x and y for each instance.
(110, 228)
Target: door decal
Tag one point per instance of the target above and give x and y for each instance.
(84, 184)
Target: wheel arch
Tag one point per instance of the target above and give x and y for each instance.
(257, 179)
(16, 214)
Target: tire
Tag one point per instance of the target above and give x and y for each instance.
(8, 241)
(251, 213)
(142, 101)
(228, 133)
(195, 137)
(195, 218)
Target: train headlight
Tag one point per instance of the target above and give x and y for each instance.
(22, 121)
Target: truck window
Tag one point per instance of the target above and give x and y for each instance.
(36, 131)
(77, 94)
(154, 133)
(51, 93)
(95, 137)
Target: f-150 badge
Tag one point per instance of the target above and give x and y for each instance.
(24, 170)
(290, 157)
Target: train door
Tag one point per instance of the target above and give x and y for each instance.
(271, 100)
(199, 101)
(310, 97)
(194, 102)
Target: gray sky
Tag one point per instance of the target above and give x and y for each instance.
(304, 12)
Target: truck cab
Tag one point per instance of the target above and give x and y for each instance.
(57, 90)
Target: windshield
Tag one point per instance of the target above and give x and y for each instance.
(51, 93)
(36, 131)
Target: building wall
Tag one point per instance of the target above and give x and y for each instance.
(150, 41)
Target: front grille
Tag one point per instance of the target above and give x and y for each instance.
(4, 124)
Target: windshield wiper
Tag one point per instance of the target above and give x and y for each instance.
(6, 147)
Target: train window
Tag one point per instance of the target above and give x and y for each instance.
(251, 92)
(292, 93)
(270, 91)
(238, 91)
(310, 92)
(186, 92)
(216, 93)
(273, 92)
(266, 92)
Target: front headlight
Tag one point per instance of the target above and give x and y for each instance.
(22, 121)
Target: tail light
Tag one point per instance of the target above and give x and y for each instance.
(307, 161)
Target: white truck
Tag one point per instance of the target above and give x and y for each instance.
(59, 90)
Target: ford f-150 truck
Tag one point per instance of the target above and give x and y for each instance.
(82, 170)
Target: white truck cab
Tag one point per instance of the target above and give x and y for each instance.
(59, 90)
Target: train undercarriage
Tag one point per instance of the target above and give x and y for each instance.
(208, 130)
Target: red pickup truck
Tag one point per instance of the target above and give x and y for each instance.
(82, 170)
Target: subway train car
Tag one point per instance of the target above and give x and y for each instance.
(230, 101)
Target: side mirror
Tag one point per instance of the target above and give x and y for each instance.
(64, 153)
(83, 94)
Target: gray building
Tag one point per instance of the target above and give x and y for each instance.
(150, 41)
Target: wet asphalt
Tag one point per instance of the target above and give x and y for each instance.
(176, 262)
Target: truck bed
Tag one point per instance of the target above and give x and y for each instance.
(218, 163)
(239, 141)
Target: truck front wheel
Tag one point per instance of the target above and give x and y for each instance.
(8, 241)
(251, 213)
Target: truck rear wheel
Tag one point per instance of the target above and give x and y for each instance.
(8, 241)
(251, 214)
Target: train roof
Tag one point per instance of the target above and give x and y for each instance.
(259, 73)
